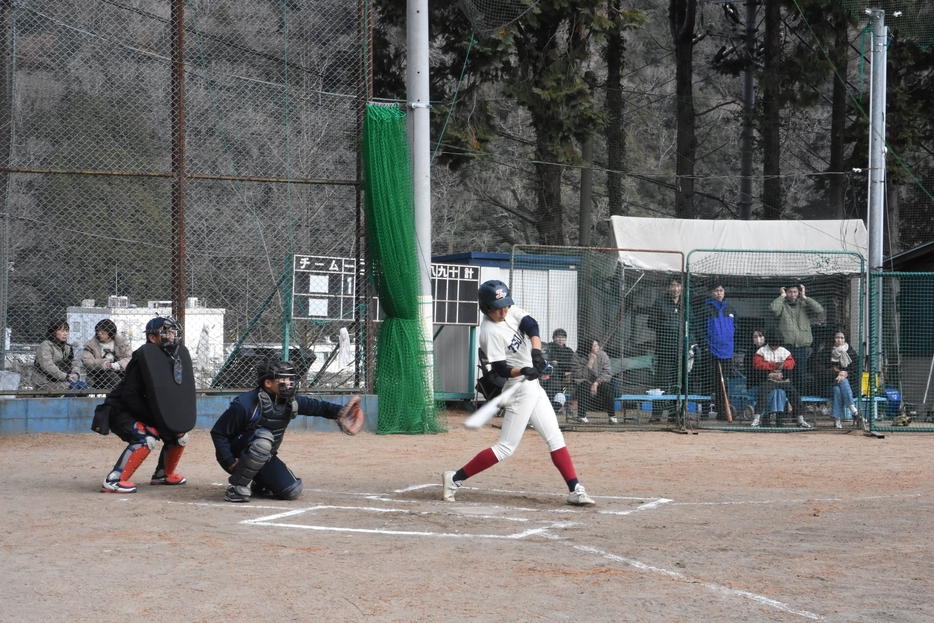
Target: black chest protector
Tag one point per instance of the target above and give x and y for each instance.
(170, 387)
(275, 417)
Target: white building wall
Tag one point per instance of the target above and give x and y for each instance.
(203, 330)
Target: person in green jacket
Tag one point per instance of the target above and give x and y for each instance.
(795, 311)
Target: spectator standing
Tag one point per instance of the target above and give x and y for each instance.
(719, 320)
(666, 318)
(794, 311)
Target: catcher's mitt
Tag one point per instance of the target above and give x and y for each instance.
(350, 417)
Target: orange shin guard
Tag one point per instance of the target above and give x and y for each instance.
(172, 456)
(134, 461)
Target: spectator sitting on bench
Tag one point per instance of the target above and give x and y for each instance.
(562, 360)
(775, 361)
(842, 363)
(754, 378)
(593, 381)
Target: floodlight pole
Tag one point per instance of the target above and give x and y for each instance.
(876, 182)
(419, 106)
(749, 104)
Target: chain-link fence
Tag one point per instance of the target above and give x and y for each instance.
(171, 157)
(613, 334)
(738, 340)
(901, 359)
(777, 333)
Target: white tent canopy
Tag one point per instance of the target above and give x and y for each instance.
(642, 235)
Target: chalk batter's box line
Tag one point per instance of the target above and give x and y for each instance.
(544, 531)
(725, 591)
(270, 520)
(651, 504)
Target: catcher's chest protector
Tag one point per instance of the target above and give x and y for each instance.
(172, 404)
(274, 418)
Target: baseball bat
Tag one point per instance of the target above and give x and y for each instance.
(726, 397)
(483, 415)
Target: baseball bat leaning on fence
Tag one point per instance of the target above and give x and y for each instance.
(483, 415)
(726, 397)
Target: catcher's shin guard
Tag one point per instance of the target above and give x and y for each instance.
(132, 457)
(143, 442)
(251, 461)
(165, 473)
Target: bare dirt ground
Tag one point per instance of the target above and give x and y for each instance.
(707, 527)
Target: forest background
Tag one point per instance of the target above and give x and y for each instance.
(571, 112)
(646, 100)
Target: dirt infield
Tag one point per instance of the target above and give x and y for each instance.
(707, 527)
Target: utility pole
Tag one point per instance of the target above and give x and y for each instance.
(749, 105)
(746, 43)
(876, 188)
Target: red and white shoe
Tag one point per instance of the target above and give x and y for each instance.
(118, 486)
(168, 479)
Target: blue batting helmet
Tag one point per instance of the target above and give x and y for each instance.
(493, 294)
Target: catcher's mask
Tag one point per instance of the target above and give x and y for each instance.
(169, 332)
(281, 371)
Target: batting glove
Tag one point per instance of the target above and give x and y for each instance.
(538, 361)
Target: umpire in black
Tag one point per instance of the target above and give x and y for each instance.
(155, 400)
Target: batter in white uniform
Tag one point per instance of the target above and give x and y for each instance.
(510, 339)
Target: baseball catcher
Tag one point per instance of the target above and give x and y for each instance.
(248, 434)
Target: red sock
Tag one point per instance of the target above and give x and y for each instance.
(485, 459)
(562, 460)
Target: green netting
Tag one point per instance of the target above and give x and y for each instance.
(491, 15)
(902, 355)
(406, 404)
(587, 295)
(912, 19)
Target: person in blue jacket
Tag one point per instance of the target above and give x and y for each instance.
(248, 434)
(719, 321)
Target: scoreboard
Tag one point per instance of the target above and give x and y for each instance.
(323, 289)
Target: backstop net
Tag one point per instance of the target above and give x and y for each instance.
(150, 140)
(609, 322)
(799, 301)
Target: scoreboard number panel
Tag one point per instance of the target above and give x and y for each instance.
(454, 290)
(454, 294)
(323, 287)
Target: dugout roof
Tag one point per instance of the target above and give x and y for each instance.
(687, 235)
